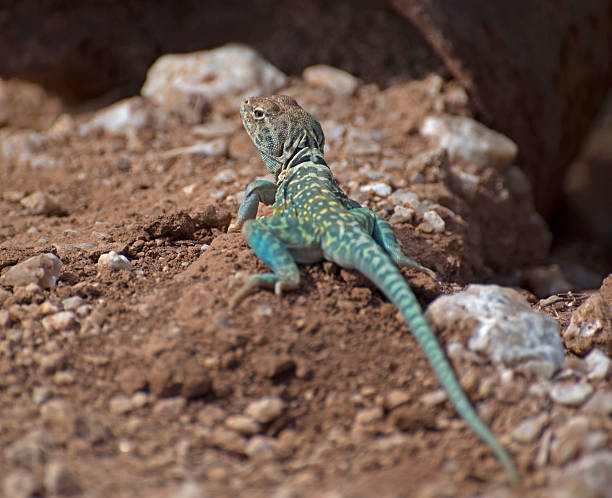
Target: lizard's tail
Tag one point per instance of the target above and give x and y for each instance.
(370, 259)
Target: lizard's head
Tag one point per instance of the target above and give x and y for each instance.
(279, 127)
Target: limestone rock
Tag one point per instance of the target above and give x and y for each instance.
(43, 270)
(233, 70)
(121, 118)
(43, 203)
(113, 261)
(336, 80)
(502, 324)
(591, 323)
(470, 141)
(265, 409)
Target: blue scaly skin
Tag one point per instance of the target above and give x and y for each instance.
(313, 219)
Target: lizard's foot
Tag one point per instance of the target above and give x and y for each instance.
(235, 227)
(409, 262)
(249, 282)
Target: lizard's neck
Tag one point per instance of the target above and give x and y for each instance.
(301, 151)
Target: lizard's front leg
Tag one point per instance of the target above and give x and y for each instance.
(272, 239)
(258, 191)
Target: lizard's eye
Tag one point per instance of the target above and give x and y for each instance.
(258, 113)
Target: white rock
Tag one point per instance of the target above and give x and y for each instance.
(170, 408)
(232, 70)
(591, 476)
(243, 424)
(22, 145)
(598, 364)
(43, 270)
(63, 320)
(572, 395)
(42, 203)
(191, 489)
(59, 479)
(469, 140)
(407, 198)
(599, 404)
(396, 398)
(401, 214)
(505, 326)
(113, 261)
(124, 117)
(214, 148)
(64, 378)
(41, 394)
(369, 415)
(120, 404)
(72, 303)
(530, 428)
(265, 409)
(336, 80)
(224, 176)
(434, 397)
(379, 188)
(261, 448)
(432, 223)
(19, 484)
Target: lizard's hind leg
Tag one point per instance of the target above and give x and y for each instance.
(271, 239)
(384, 235)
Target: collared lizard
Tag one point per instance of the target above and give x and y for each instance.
(313, 219)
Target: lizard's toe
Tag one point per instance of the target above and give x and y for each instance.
(239, 278)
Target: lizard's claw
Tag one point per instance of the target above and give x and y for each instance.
(235, 227)
(239, 278)
(246, 282)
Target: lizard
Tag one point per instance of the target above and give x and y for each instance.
(313, 219)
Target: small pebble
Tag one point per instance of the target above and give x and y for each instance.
(114, 261)
(170, 408)
(432, 223)
(379, 188)
(48, 308)
(402, 214)
(434, 397)
(59, 479)
(261, 448)
(191, 489)
(369, 415)
(243, 424)
(63, 320)
(530, 428)
(598, 364)
(120, 404)
(225, 176)
(41, 394)
(20, 484)
(139, 399)
(396, 398)
(43, 270)
(63, 378)
(572, 395)
(228, 440)
(591, 477)
(72, 303)
(42, 203)
(599, 404)
(333, 79)
(265, 409)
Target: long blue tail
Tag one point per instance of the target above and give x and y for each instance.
(366, 256)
